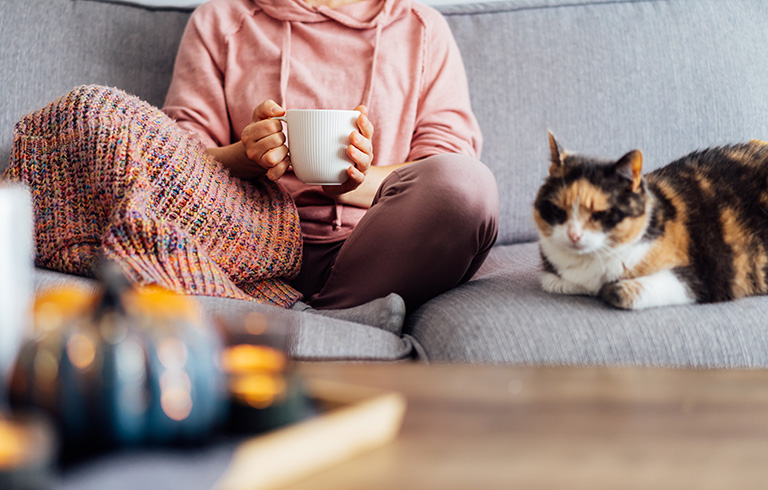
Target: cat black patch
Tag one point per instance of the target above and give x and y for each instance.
(611, 294)
(623, 203)
(711, 272)
(690, 277)
(551, 213)
(548, 211)
(663, 212)
(546, 264)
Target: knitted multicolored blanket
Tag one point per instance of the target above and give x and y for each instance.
(113, 176)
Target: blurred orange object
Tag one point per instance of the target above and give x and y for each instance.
(246, 358)
(27, 449)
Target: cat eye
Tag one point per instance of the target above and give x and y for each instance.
(551, 213)
(599, 215)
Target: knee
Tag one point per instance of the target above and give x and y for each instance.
(455, 193)
(464, 189)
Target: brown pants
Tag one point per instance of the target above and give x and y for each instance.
(431, 226)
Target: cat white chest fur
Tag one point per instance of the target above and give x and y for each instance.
(589, 273)
(586, 273)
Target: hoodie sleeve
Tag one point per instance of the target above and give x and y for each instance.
(445, 122)
(196, 97)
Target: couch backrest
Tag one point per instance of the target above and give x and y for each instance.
(606, 76)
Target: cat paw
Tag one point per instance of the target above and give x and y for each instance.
(553, 283)
(621, 294)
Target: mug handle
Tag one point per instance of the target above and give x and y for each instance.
(284, 120)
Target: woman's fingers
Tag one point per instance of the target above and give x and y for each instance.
(264, 140)
(267, 109)
(364, 124)
(360, 151)
(278, 170)
(266, 151)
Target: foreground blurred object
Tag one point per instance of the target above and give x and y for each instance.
(27, 448)
(16, 265)
(264, 392)
(121, 366)
(351, 420)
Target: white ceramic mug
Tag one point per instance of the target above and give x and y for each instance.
(16, 266)
(317, 143)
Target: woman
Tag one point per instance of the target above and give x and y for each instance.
(418, 213)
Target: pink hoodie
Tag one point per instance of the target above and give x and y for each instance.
(397, 57)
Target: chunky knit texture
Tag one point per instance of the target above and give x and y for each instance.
(113, 176)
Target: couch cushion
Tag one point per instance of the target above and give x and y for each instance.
(313, 337)
(504, 316)
(607, 76)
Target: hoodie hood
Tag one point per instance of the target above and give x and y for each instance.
(362, 15)
(365, 14)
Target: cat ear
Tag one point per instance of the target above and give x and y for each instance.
(630, 166)
(557, 156)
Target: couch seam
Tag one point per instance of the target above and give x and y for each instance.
(128, 3)
(456, 10)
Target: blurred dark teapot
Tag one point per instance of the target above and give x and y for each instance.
(121, 366)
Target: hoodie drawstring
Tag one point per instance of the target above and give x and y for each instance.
(285, 75)
(285, 63)
(369, 89)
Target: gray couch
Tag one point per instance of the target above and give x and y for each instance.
(605, 76)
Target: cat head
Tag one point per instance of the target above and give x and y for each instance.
(587, 205)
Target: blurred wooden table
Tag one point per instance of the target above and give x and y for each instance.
(492, 427)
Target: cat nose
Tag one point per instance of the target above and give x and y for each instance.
(574, 234)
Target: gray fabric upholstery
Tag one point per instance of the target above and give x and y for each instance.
(505, 317)
(312, 336)
(316, 337)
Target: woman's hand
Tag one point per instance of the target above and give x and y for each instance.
(264, 140)
(360, 151)
(261, 149)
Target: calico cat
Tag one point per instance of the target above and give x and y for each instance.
(694, 231)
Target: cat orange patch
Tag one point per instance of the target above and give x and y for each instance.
(745, 154)
(556, 168)
(752, 154)
(746, 260)
(706, 188)
(760, 262)
(636, 164)
(557, 157)
(671, 249)
(581, 193)
(632, 290)
(585, 198)
(628, 230)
